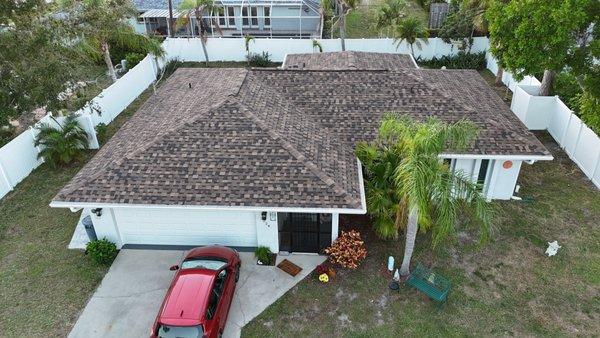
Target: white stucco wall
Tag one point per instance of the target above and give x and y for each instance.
(500, 182)
(267, 232)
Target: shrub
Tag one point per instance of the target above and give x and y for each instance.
(461, 60)
(567, 88)
(263, 254)
(589, 110)
(132, 59)
(63, 145)
(259, 60)
(101, 132)
(102, 251)
(6, 134)
(348, 250)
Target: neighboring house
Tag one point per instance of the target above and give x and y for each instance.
(249, 157)
(235, 18)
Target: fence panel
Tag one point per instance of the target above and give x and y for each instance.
(560, 119)
(572, 135)
(17, 159)
(587, 151)
(114, 99)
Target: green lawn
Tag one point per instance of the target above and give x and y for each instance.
(43, 285)
(360, 22)
(506, 288)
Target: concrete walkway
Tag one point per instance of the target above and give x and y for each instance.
(127, 301)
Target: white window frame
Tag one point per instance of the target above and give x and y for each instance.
(245, 17)
(230, 18)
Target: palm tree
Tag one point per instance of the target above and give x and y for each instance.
(102, 22)
(197, 9)
(317, 44)
(62, 146)
(247, 39)
(413, 31)
(408, 186)
(341, 9)
(389, 13)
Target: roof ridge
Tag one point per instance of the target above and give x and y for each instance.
(149, 143)
(290, 148)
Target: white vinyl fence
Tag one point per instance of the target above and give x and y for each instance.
(20, 156)
(550, 113)
(233, 49)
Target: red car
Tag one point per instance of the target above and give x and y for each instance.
(198, 300)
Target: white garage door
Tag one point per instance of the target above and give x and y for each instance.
(186, 227)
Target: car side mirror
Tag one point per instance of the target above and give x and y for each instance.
(174, 267)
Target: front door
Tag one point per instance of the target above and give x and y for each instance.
(304, 232)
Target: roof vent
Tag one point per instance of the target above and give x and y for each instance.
(190, 85)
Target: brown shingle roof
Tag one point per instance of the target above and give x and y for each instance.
(348, 60)
(278, 138)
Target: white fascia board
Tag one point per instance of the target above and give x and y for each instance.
(499, 157)
(361, 211)
(61, 204)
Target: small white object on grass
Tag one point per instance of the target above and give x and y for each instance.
(552, 248)
(390, 264)
(397, 276)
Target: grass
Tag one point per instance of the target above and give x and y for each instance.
(507, 287)
(43, 285)
(360, 22)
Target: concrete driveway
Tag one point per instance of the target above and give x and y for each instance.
(127, 301)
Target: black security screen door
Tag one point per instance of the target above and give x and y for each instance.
(299, 232)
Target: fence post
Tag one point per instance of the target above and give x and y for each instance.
(39, 150)
(5, 176)
(94, 144)
(597, 168)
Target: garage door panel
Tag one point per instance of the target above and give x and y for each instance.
(186, 227)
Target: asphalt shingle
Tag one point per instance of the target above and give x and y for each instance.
(279, 138)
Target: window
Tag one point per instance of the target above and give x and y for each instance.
(267, 14)
(180, 331)
(215, 294)
(244, 16)
(231, 16)
(254, 16)
(203, 263)
(221, 15)
(483, 169)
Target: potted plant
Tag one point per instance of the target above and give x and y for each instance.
(264, 256)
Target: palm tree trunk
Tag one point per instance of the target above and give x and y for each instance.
(201, 35)
(343, 31)
(106, 52)
(499, 74)
(412, 51)
(547, 81)
(411, 235)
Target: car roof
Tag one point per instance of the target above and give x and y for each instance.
(187, 300)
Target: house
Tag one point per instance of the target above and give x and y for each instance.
(235, 18)
(252, 157)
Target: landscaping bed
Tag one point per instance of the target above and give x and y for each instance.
(507, 287)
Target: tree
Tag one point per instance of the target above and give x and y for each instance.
(63, 145)
(533, 36)
(409, 187)
(341, 10)
(37, 63)
(102, 22)
(413, 32)
(389, 13)
(197, 9)
(458, 26)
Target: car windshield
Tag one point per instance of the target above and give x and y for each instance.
(165, 331)
(203, 263)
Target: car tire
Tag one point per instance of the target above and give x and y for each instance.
(237, 273)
